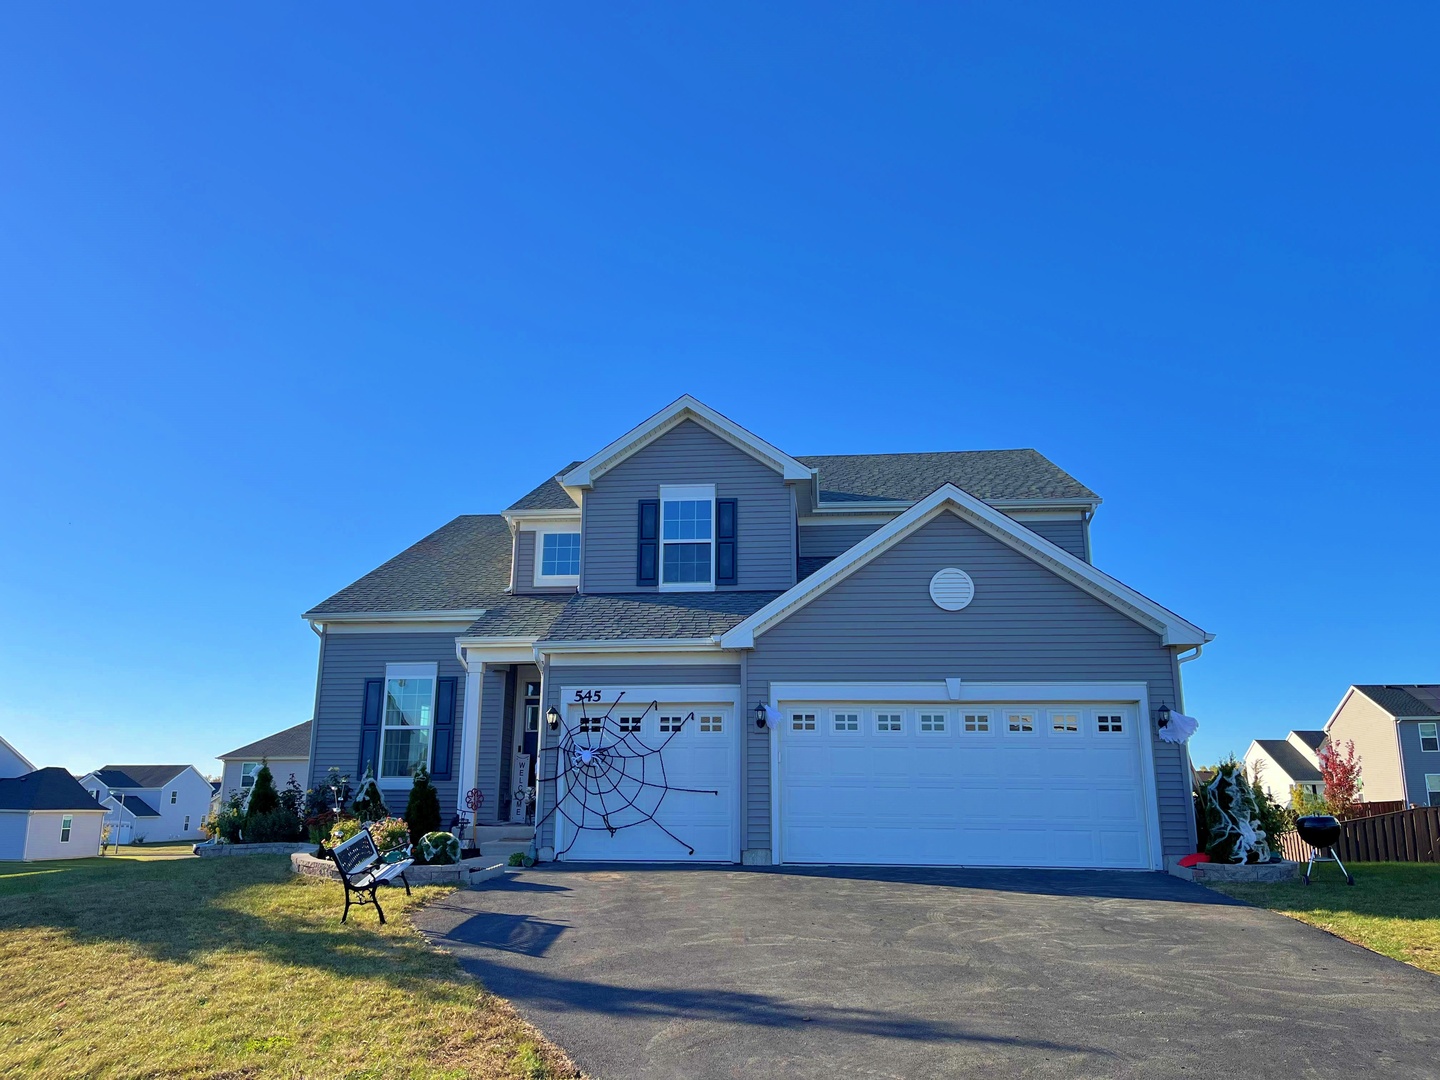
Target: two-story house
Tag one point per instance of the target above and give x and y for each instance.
(1396, 732)
(699, 647)
(1282, 765)
(153, 803)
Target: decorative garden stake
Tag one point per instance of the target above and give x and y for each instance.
(474, 799)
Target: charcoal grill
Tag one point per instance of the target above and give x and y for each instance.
(1322, 833)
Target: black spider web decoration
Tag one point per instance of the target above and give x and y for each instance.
(612, 779)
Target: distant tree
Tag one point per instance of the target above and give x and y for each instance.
(263, 796)
(422, 812)
(1341, 770)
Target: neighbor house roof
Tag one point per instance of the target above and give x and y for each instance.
(992, 475)
(549, 495)
(138, 806)
(1313, 739)
(293, 742)
(1290, 761)
(45, 789)
(462, 566)
(138, 776)
(1404, 699)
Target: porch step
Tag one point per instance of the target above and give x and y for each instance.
(484, 834)
(503, 848)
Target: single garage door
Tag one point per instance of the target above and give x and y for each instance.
(974, 785)
(664, 776)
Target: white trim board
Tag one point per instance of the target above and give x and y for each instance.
(682, 409)
(1173, 630)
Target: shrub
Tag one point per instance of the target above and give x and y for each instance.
(225, 824)
(1304, 803)
(1232, 820)
(278, 826)
(1275, 818)
(369, 806)
(521, 858)
(390, 833)
(1341, 770)
(263, 796)
(318, 826)
(422, 810)
(343, 829)
(292, 797)
(440, 848)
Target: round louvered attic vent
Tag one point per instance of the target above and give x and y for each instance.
(952, 589)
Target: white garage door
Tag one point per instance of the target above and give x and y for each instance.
(664, 776)
(980, 785)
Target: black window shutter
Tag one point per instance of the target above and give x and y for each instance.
(647, 552)
(444, 730)
(725, 529)
(370, 728)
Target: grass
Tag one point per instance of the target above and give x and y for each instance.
(148, 965)
(1393, 908)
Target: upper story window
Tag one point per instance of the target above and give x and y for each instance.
(1430, 737)
(687, 537)
(247, 774)
(557, 557)
(407, 720)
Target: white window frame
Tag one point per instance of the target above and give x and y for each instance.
(67, 825)
(1434, 734)
(946, 719)
(429, 671)
(1077, 715)
(987, 715)
(243, 765)
(718, 722)
(858, 729)
(888, 713)
(684, 493)
(543, 580)
(1112, 715)
(1033, 716)
(186, 827)
(1432, 786)
(174, 796)
(805, 721)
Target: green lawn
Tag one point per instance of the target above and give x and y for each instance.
(147, 964)
(1393, 908)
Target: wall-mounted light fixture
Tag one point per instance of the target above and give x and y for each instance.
(552, 718)
(1162, 716)
(760, 715)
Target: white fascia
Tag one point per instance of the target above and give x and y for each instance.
(444, 615)
(521, 519)
(708, 644)
(683, 408)
(1173, 630)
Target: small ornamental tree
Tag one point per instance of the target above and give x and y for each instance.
(1341, 770)
(422, 812)
(1234, 833)
(369, 806)
(263, 796)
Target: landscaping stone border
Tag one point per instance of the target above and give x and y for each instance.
(211, 850)
(467, 872)
(1268, 873)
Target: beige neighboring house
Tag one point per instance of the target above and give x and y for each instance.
(46, 814)
(1281, 764)
(1396, 731)
(286, 752)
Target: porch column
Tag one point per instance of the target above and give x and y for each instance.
(470, 731)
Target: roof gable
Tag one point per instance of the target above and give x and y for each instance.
(138, 776)
(1289, 761)
(997, 476)
(1402, 700)
(677, 412)
(45, 789)
(293, 742)
(1172, 629)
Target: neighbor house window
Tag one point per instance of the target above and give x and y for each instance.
(247, 774)
(1432, 788)
(65, 823)
(174, 797)
(687, 537)
(557, 558)
(187, 823)
(1430, 737)
(407, 720)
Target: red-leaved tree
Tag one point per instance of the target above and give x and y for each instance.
(1341, 770)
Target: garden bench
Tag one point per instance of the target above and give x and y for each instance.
(363, 870)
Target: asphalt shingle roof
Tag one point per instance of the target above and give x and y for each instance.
(45, 789)
(548, 495)
(293, 742)
(1312, 739)
(1290, 761)
(139, 807)
(138, 776)
(986, 474)
(1405, 699)
(617, 616)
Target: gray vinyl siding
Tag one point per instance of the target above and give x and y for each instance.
(490, 742)
(1025, 624)
(1416, 763)
(280, 768)
(525, 566)
(347, 660)
(1069, 535)
(636, 675)
(689, 454)
(827, 541)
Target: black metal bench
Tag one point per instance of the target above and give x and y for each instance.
(363, 871)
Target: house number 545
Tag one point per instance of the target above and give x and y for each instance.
(587, 695)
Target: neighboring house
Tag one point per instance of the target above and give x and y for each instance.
(45, 814)
(12, 762)
(286, 752)
(950, 680)
(1282, 764)
(1396, 731)
(155, 803)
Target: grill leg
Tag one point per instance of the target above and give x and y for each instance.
(1310, 866)
(1349, 879)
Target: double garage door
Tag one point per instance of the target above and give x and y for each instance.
(1053, 785)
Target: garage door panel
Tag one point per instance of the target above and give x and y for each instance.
(1045, 797)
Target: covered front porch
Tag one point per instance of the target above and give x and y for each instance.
(500, 740)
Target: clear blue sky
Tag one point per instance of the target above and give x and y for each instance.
(284, 288)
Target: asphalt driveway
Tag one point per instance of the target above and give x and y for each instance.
(683, 972)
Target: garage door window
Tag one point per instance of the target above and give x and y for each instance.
(711, 724)
(847, 721)
(802, 721)
(933, 722)
(592, 724)
(888, 722)
(1110, 723)
(977, 722)
(1065, 723)
(1020, 723)
(670, 724)
(629, 725)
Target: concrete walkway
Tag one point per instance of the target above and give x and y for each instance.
(684, 972)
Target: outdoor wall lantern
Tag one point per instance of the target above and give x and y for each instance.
(552, 718)
(760, 715)
(1162, 716)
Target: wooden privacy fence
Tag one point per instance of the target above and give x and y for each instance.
(1404, 836)
(1374, 809)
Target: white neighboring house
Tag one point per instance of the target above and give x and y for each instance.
(154, 803)
(12, 762)
(1284, 763)
(45, 814)
(286, 752)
